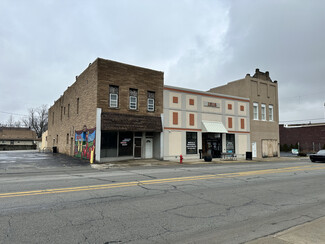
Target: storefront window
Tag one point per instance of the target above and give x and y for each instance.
(126, 144)
(230, 143)
(109, 144)
(191, 142)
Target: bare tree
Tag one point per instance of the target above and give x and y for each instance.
(10, 121)
(37, 119)
(17, 123)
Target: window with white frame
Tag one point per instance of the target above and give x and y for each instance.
(151, 101)
(113, 96)
(263, 112)
(255, 111)
(270, 112)
(133, 99)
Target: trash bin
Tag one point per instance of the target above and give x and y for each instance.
(249, 156)
(207, 158)
(55, 149)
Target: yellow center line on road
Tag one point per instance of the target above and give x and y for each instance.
(159, 181)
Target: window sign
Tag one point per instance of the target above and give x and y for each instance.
(230, 143)
(191, 142)
(126, 144)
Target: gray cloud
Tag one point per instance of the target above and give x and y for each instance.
(198, 44)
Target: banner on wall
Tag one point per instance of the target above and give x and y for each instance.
(85, 144)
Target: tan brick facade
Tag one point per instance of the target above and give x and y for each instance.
(263, 92)
(76, 109)
(64, 119)
(125, 77)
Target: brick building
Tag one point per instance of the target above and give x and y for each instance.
(116, 111)
(264, 110)
(308, 137)
(112, 111)
(17, 138)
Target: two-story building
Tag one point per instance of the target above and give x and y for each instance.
(195, 120)
(111, 112)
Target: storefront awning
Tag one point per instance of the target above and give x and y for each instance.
(213, 127)
(129, 122)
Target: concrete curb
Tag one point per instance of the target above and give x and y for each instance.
(310, 232)
(154, 162)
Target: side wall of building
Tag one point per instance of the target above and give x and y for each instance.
(74, 111)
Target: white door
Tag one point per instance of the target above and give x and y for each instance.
(149, 148)
(254, 150)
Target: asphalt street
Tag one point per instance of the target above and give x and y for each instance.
(46, 198)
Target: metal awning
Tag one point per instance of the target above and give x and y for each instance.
(213, 127)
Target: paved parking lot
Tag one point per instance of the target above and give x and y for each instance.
(15, 161)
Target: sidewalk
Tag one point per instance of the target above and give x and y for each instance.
(155, 162)
(311, 232)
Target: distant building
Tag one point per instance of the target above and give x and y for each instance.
(17, 138)
(308, 137)
(44, 145)
(264, 110)
(195, 120)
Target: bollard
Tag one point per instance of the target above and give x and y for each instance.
(181, 159)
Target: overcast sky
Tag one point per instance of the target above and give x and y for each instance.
(197, 44)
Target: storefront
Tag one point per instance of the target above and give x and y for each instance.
(213, 133)
(129, 137)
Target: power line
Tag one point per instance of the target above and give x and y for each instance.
(24, 115)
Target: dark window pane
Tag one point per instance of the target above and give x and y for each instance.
(126, 144)
(108, 144)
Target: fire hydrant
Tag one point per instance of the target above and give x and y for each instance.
(181, 159)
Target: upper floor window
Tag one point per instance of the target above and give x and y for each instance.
(242, 108)
(270, 112)
(175, 118)
(133, 99)
(61, 112)
(192, 120)
(78, 105)
(230, 123)
(191, 101)
(113, 96)
(242, 123)
(255, 111)
(263, 112)
(151, 101)
(175, 99)
(229, 106)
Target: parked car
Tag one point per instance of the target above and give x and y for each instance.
(319, 156)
